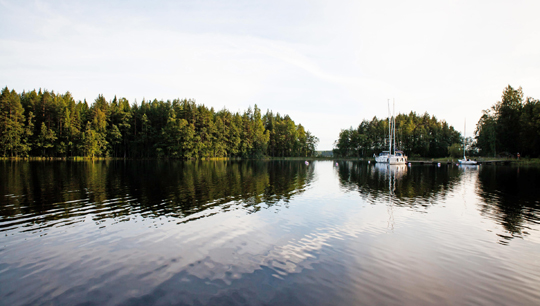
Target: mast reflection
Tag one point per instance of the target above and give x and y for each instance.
(417, 186)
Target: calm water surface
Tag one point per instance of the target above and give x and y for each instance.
(268, 233)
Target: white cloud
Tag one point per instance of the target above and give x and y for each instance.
(327, 64)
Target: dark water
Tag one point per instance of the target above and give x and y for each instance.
(267, 233)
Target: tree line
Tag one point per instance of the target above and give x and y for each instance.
(510, 126)
(44, 123)
(417, 135)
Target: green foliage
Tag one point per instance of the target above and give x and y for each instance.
(45, 140)
(57, 126)
(510, 126)
(12, 130)
(486, 135)
(416, 135)
(455, 150)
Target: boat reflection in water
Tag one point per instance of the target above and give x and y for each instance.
(393, 172)
(416, 186)
(505, 194)
(466, 167)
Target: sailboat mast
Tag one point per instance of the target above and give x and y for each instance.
(394, 124)
(389, 130)
(464, 132)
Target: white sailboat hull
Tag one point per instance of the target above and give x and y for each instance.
(391, 159)
(382, 159)
(467, 162)
(397, 160)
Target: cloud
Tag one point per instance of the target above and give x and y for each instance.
(327, 64)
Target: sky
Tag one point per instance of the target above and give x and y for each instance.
(327, 64)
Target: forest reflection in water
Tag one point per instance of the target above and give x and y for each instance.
(509, 194)
(511, 197)
(41, 194)
(267, 233)
(38, 195)
(419, 187)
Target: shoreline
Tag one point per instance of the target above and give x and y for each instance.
(521, 161)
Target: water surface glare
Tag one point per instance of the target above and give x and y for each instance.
(268, 233)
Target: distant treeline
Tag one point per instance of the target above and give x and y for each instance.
(416, 135)
(510, 126)
(43, 123)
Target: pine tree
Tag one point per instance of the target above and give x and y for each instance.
(11, 124)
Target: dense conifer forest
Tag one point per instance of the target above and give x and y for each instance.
(47, 124)
(417, 135)
(509, 127)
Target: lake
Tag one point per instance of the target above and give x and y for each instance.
(268, 233)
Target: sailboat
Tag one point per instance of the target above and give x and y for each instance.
(388, 157)
(465, 160)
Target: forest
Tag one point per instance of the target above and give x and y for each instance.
(416, 135)
(510, 126)
(47, 124)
